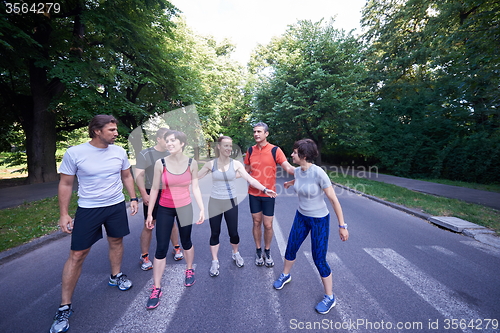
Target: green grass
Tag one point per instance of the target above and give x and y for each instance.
(437, 206)
(21, 224)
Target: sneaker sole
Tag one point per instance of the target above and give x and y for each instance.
(115, 285)
(290, 279)
(325, 312)
(269, 265)
(146, 268)
(177, 259)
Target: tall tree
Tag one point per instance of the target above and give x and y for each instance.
(78, 59)
(434, 67)
(311, 85)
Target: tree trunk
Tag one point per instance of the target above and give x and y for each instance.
(40, 130)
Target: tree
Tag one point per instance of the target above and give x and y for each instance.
(311, 85)
(435, 73)
(60, 68)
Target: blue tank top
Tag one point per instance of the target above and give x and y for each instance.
(222, 188)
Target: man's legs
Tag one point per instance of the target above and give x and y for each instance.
(268, 231)
(71, 273)
(257, 229)
(115, 254)
(146, 235)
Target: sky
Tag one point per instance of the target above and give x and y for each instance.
(249, 23)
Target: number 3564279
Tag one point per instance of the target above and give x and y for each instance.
(35, 8)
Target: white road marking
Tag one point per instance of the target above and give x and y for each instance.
(138, 319)
(432, 291)
(352, 297)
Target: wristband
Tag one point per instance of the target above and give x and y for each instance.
(343, 226)
(264, 190)
(134, 199)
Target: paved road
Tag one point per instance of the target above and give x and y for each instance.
(395, 271)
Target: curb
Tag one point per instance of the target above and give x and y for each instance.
(466, 228)
(36, 243)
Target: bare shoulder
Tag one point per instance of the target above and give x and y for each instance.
(237, 164)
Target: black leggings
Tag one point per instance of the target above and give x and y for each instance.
(164, 224)
(217, 208)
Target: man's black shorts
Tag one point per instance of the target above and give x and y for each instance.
(261, 204)
(87, 227)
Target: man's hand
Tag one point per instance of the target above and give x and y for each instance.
(134, 207)
(66, 224)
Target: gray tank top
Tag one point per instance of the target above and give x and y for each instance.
(222, 189)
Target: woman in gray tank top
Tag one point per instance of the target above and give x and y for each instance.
(223, 199)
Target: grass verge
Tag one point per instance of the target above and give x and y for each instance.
(433, 205)
(21, 224)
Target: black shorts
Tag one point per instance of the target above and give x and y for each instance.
(261, 204)
(87, 227)
(155, 209)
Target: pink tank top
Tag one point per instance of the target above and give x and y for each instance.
(175, 192)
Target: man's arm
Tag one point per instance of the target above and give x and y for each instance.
(65, 190)
(140, 180)
(128, 182)
(288, 168)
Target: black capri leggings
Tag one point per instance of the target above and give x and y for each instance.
(164, 224)
(217, 208)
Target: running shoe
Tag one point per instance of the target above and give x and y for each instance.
(61, 319)
(259, 261)
(214, 268)
(282, 280)
(154, 298)
(238, 260)
(177, 252)
(269, 262)
(146, 264)
(121, 281)
(190, 280)
(326, 304)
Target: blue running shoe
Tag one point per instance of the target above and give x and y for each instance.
(282, 280)
(121, 281)
(61, 319)
(326, 304)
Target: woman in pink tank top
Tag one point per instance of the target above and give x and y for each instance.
(175, 174)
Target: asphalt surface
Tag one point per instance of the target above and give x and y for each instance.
(15, 196)
(395, 273)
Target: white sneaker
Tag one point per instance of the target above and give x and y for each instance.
(238, 260)
(214, 269)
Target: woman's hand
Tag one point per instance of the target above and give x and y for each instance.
(289, 183)
(201, 219)
(344, 234)
(150, 224)
(271, 193)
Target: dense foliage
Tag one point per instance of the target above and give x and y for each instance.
(417, 93)
(311, 85)
(435, 71)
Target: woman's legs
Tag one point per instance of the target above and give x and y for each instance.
(164, 223)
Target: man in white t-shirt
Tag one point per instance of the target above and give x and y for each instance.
(102, 169)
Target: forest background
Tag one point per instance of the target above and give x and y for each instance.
(417, 95)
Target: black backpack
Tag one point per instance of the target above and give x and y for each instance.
(273, 151)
